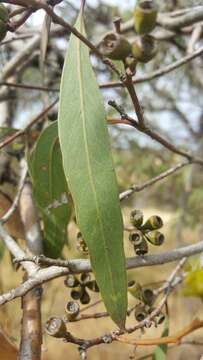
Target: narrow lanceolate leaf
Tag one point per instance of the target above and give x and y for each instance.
(91, 178)
(50, 190)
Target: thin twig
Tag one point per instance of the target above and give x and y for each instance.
(176, 338)
(157, 73)
(63, 267)
(154, 180)
(37, 118)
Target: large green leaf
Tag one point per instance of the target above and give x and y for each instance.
(90, 174)
(50, 190)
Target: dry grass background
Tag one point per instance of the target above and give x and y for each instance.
(182, 310)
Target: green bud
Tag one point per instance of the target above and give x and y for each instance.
(153, 223)
(145, 16)
(136, 218)
(140, 313)
(135, 289)
(155, 237)
(56, 327)
(4, 15)
(115, 46)
(144, 49)
(72, 310)
(142, 248)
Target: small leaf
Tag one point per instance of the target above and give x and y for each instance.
(161, 350)
(50, 190)
(90, 174)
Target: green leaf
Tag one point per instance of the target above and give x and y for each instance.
(90, 174)
(161, 350)
(50, 190)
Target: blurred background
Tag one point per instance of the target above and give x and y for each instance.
(172, 106)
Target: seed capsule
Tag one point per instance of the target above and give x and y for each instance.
(155, 237)
(56, 327)
(92, 285)
(85, 277)
(85, 298)
(145, 16)
(140, 313)
(148, 296)
(115, 46)
(144, 49)
(136, 238)
(136, 218)
(76, 293)
(72, 310)
(135, 289)
(142, 248)
(71, 281)
(153, 223)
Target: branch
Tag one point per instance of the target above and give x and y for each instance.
(18, 133)
(80, 265)
(31, 328)
(137, 188)
(10, 68)
(142, 127)
(15, 249)
(116, 84)
(63, 267)
(194, 325)
(157, 73)
(28, 86)
(181, 21)
(53, 324)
